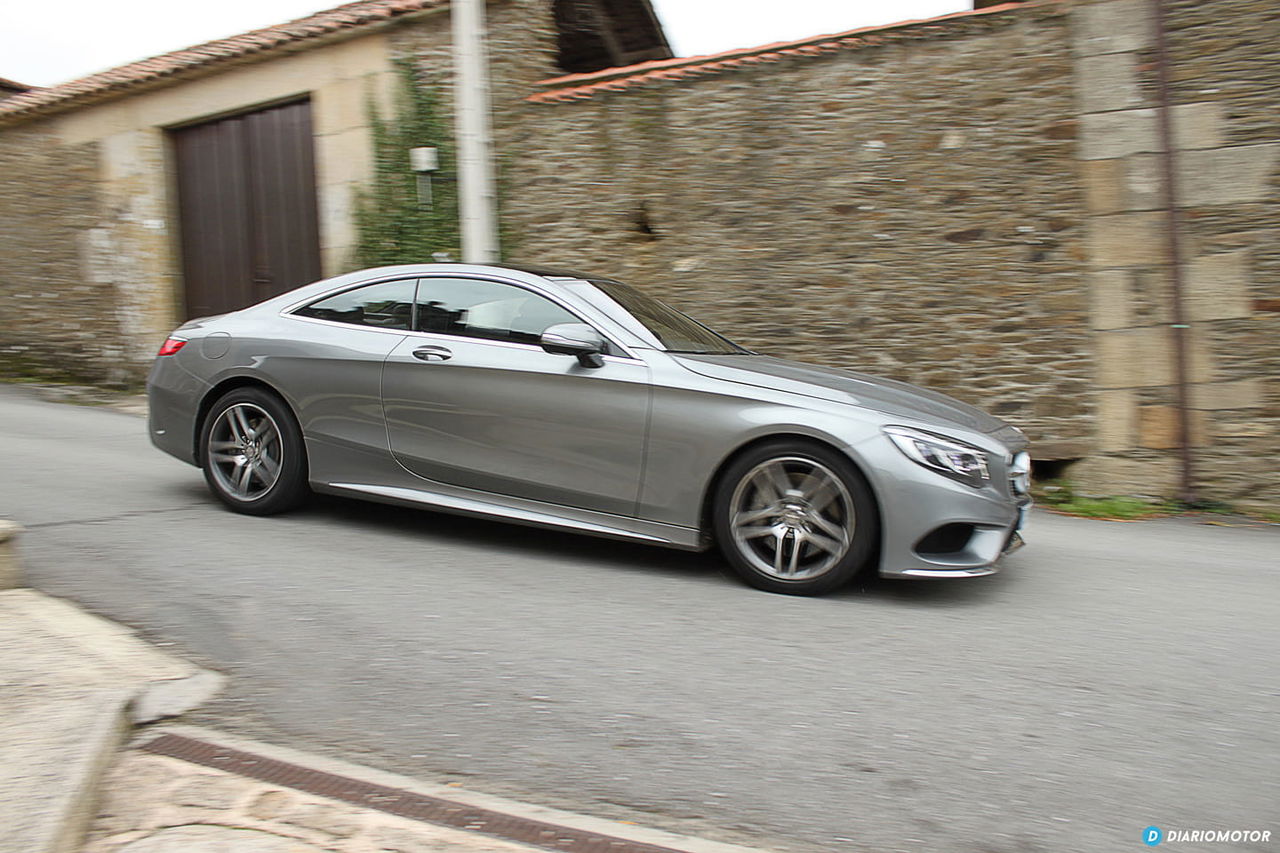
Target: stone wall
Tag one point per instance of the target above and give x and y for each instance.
(1224, 75)
(59, 320)
(910, 208)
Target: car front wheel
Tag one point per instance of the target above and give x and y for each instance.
(252, 453)
(795, 518)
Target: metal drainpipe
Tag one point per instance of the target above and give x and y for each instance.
(1179, 326)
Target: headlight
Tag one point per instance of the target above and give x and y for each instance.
(946, 456)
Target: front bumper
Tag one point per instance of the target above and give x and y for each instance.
(934, 527)
(1015, 543)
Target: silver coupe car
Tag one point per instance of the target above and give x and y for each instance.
(577, 402)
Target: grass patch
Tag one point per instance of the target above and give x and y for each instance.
(1059, 495)
(1112, 507)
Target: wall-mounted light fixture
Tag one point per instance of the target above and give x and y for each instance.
(424, 161)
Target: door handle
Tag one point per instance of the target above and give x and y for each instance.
(432, 354)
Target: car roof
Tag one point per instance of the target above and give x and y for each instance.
(549, 272)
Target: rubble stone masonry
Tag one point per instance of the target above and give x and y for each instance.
(910, 209)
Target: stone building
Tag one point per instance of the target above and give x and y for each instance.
(976, 203)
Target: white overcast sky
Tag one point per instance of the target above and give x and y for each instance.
(46, 43)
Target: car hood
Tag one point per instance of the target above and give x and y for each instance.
(844, 386)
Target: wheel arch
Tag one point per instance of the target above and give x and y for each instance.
(231, 383)
(705, 522)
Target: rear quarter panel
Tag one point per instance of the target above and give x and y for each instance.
(328, 374)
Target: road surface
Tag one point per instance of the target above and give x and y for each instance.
(1115, 676)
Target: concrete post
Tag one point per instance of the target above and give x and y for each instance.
(477, 198)
(10, 574)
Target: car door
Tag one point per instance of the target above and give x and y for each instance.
(472, 400)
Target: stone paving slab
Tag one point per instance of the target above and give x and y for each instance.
(54, 746)
(76, 648)
(216, 839)
(157, 804)
(148, 797)
(69, 686)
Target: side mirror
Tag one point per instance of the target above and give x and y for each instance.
(575, 339)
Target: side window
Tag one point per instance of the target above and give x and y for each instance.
(388, 305)
(476, 308)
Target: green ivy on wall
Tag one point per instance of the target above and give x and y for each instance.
(393, 223)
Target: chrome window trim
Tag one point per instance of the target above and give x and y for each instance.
(340, 325)
(289, 311)
(443, 338)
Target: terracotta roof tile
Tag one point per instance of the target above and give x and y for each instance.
(576, 87)
(119, 80)
(14, 85)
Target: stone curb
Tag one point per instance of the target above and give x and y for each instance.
(125, 402)
(63, 828)
(175, 697)
(10, 572)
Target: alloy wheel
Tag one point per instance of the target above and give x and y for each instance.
(792, 518)
(245, 451)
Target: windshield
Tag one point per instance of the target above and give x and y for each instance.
(676, 332)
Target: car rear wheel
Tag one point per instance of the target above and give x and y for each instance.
(795, 518)
(252, 453)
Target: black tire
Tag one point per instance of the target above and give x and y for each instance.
(252, 453)
(809, 541)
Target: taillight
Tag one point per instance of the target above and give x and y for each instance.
(171, 345)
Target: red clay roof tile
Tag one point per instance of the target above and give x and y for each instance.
(576, 87)
(14, 85)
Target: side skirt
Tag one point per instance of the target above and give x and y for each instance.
(530, 513)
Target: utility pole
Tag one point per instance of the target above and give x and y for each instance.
(477, 199)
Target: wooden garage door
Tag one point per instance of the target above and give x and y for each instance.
(247, 202)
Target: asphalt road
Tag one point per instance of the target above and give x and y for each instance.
(1114, 677)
